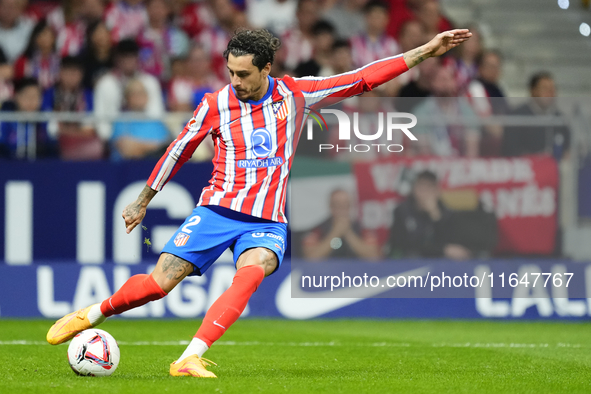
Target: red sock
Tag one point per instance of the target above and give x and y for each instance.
(228, 308)
(137, 291)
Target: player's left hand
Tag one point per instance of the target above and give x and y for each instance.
(447, 40)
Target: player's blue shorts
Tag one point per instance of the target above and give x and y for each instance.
(210, 230)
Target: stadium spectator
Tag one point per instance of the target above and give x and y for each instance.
(39, 61)
(274, 15)
(341, 58)
(424, 227)
(77, 141)
(68, 95)
(108, 93)
(373, 44)
(98, 56)
(323, 38)
(126, 19)
(464, 61)
(187, 90)
(488, 99)
(66, 21)
(21, 139)
(415, 91)
(6, 74)
(400, 13)
(486, 84)
(192, 17)
(439, 137)
(411, 35)
(420, 223)
(297, 41)
(347, 17)
(137, 139)
(15, 28)
(428, 13)
(215, 38)
(160, 41)
(553, 140)
(93, 10)
(339, 236)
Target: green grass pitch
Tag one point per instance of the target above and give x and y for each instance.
(323, 356)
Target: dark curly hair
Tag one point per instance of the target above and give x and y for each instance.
(259, 43)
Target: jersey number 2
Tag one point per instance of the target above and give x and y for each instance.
(192, 222)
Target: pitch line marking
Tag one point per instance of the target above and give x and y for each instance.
(510, 345)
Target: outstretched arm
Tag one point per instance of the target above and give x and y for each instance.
(439, 45)
(320, 92)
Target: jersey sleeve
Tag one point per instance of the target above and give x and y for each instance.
(181, 149)
(321, 91)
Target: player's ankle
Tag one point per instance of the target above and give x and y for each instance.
(196, 347)
(95, 316)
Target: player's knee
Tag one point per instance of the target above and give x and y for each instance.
(263, 257)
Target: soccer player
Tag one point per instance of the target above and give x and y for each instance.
(255, 122)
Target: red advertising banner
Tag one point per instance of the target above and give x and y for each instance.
(521, 191)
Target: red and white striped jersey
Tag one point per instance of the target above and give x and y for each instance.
(255, 141)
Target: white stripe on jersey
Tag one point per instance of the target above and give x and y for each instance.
(224, 112)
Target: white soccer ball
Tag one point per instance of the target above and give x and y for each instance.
(93, 353)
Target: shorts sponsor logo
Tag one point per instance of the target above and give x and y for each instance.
(278, 247)
(261, 163)
(181, 239)
(276, 237)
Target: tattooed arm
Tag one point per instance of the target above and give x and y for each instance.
(134, 213)
(440, 44)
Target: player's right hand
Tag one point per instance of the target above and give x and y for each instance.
(447, 40)
(133, 214)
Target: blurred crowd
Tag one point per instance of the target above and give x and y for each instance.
(153, 56)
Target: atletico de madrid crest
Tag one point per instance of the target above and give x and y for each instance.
(281, 109)
(181, 239)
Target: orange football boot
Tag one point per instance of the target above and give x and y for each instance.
(69, 326)
(192, 366)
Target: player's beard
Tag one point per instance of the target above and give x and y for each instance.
(248, 95)
(239, 96)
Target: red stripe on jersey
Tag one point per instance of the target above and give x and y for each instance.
(222, 140)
